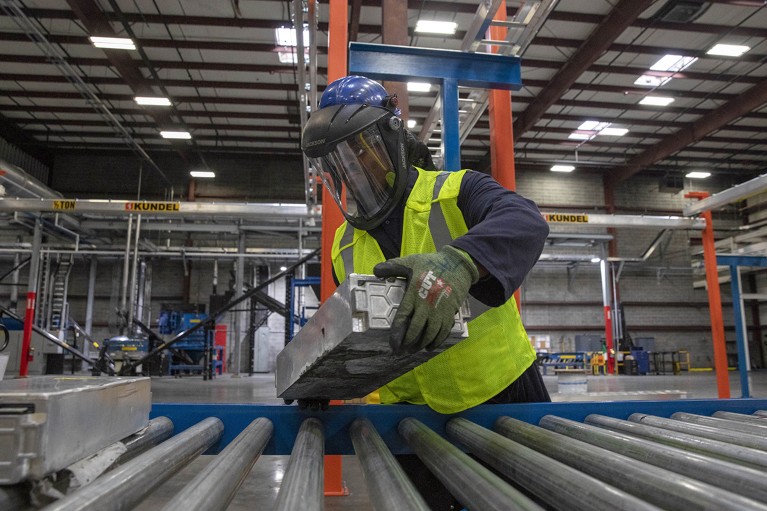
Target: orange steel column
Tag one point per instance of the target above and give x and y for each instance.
(501, 131)
(501, 134)
(714, 301)
(338, 41)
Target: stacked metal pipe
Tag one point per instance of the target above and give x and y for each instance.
(685, 462)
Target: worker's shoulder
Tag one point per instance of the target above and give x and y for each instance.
(475, 178)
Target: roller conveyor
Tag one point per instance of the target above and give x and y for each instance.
(595, 456)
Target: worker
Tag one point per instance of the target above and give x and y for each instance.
(452, 235)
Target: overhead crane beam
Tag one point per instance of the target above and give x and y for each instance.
(158, 208)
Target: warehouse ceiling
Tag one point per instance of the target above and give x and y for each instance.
(586, 63)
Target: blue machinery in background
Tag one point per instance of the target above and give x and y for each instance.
(290, 289)
(197, 346)
(734, 261)
(446, 68)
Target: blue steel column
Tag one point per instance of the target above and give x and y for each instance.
(451, 145)
(449, 68)
(733, 261)
(740, 331)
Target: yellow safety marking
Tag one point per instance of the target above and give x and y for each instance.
(566, 218)
(153, 206)
(65, 205)
(129, 348)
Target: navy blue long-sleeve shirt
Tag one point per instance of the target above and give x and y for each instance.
(506, 234)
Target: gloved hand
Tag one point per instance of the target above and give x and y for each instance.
(438, 284)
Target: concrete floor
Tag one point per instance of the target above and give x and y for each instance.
(260, 488)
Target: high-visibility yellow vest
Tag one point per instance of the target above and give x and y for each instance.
(497, 350)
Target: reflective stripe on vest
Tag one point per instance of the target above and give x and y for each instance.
(347, 254)
(441, 236)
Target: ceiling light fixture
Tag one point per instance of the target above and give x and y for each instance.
(580, 136)
(418, 87)
(152, 101)
(202, 173)
(697, 174)
(728, 50)
(652, 81)
(562, 168)
(436, 27)
(673, 63)
(180, 135)
(291, 57)
(614, 132)
(656, 100)
(593, 126)
(285, 36)
(411, 123)
(113, 43)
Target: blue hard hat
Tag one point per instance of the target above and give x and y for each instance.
(357, 90)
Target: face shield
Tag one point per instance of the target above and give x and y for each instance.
(361, 175)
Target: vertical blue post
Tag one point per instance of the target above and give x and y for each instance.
(451, 147)
(740, 331)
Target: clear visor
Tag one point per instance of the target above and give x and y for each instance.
(359, 174)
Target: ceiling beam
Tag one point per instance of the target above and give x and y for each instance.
(261, 86)
(248, 127)
(747, 102)
(163, 64)
(224, 100)
(416, 5)
(159, 43)
(137, 111)
(108, 80)
(249, 47)
(248, 101)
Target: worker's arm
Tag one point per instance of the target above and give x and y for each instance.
(506, 236)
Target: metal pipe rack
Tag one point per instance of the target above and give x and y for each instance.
(584, 455)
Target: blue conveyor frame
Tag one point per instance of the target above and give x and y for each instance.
(287, 419)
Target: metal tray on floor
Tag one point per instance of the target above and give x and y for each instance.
(49, 422)
(343, 351)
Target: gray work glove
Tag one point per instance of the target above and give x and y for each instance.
(438, 284)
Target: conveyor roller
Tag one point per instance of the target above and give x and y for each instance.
(563, 456)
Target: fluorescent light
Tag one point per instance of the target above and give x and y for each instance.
(614, 132)
(182, 135)
(113, 43)
(202, 173)
(728, 50)
(652, 81)
(593, 126)
(596, 260)
(436, 27)
(411, 123)
(580, 136)
(291, 57)
(656, 100)
(283, 268)
(562, 168)
(150, 101)
(285, 36)
(418, 87)
(697, 175)
(673, 63)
